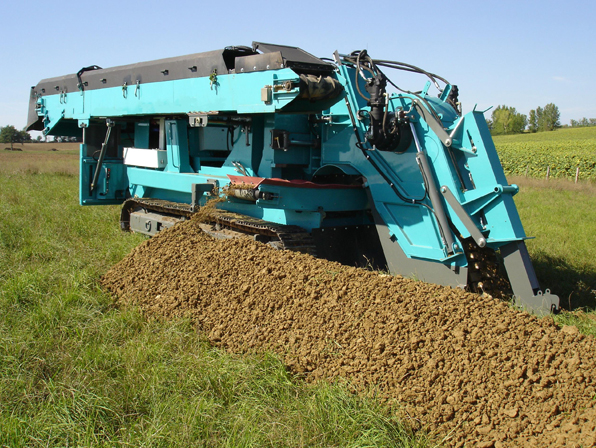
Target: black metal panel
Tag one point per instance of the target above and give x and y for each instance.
(296, 58)
(259, 62)
(228, 60)
(192, 66)
(34, 121)
(351, 245)
(182, 67)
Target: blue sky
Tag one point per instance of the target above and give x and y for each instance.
(519, 53)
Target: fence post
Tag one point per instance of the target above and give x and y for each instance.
(547, 172)
(576, 174)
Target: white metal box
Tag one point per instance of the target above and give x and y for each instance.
(148, 158)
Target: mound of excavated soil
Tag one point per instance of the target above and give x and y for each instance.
(462, 365)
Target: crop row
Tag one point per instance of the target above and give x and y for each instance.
(561, 159)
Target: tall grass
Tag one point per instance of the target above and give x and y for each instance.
(41, 158)
(560, 215)
(76, 371)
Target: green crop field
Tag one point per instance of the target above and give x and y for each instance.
(582, 135)
(562, 152)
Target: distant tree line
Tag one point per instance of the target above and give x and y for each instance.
(584, 122)
(506, 120)
(9, 134)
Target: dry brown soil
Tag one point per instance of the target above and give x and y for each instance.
(465, 367)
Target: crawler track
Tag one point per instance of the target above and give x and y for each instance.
(285, 236)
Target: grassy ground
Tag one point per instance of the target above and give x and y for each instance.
(41, 158)
(75, 371)
(561, 217)
(560, 214)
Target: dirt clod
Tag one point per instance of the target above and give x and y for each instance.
(463, 365)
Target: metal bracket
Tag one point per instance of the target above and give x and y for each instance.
(337, 58)
(435, 125)
(438, 128)
(197, 190)
(457, 143)
(266, 94)
(102, 153)
(198, 120)
(524, 283)
(81, 85)
(480, 111)
(463, 216)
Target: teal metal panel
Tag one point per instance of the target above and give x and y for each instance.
(163, 180)
(236, 92)
(315, 199)
(112, 182)
(306, 220)
(142, 134)
(177, 147)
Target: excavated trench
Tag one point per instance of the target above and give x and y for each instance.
(462, 365)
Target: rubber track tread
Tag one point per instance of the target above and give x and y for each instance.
(291, 237)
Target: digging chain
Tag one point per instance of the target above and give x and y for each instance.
(485, 272)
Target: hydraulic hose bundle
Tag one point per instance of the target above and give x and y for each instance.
(389, 131)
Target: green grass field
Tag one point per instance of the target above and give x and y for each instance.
(560, 215)
(76, 371)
